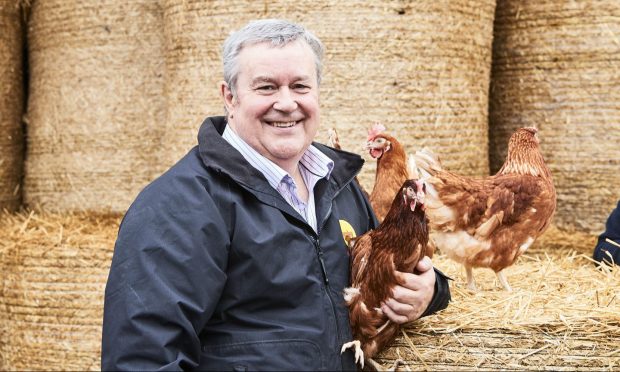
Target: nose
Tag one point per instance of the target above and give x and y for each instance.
(285, 101)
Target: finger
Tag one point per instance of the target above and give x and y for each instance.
(398, 307)
(396, 318)
(406, 296)
(424, 264)
(416, 282)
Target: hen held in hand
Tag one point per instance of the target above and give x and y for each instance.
(398, 243)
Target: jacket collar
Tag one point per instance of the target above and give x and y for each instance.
(217, 154)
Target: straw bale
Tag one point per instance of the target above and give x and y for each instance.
(422, 68)
(96, 107)
(11, 103)
(563, 315)
(556, 65)
(54, 272)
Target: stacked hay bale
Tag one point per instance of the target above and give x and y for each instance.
(563, 315)
(51, 291)
(556, 66)
(11, 104)
(422, 69)
(96, 106)
(94, 119)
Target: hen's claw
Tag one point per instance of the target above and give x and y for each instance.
(359, 354)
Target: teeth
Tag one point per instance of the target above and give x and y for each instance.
(281, 124)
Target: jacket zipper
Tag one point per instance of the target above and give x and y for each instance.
(319, 252)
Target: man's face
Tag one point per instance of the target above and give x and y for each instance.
(276, 108)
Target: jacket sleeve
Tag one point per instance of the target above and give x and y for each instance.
(167, 274)
(442, 296)
(606, 251)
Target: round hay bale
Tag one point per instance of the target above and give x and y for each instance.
(54, 270)
(96, 106)
(556, 66)
(11, 104)
(420, 68)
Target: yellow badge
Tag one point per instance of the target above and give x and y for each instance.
(347, 231)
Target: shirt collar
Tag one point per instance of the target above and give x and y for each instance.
(313, 160)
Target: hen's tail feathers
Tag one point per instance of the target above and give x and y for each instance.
(427, 161)
(412, 168)
(426, 164)
(332, 139)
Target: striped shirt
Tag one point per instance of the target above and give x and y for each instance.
(313, 166)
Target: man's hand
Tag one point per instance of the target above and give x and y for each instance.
(413, 297)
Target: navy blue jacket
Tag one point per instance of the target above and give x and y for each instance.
(214, 270)
(605, 249)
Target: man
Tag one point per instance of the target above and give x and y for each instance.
(608, 246)
(234, 258)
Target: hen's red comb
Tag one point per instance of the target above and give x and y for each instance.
(375, 130)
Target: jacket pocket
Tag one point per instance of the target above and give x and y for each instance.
(268, 355)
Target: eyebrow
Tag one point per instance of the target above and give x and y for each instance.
(267, 79)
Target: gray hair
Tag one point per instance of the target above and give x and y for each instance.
(275, 31)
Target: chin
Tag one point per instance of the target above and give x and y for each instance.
(287, 152)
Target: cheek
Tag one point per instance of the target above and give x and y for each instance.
(252, 107)
(310, 105)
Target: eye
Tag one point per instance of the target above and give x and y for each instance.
(266, 88)
(302, 88)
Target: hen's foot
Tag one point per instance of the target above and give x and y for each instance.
(359, 354)
(503, 281)
(471, 283)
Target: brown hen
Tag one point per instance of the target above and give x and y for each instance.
(490, 222)
(397, 244)
(392, 169)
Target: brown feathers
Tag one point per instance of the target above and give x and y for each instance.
(391, 172)
(490, 222)
(397, 244)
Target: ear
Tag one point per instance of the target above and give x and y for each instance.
(227, 96)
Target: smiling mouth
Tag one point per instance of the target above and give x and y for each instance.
(283, 124)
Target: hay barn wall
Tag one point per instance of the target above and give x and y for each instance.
(420, 68)
(96, 107)
(11, 104)
(556, 66)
